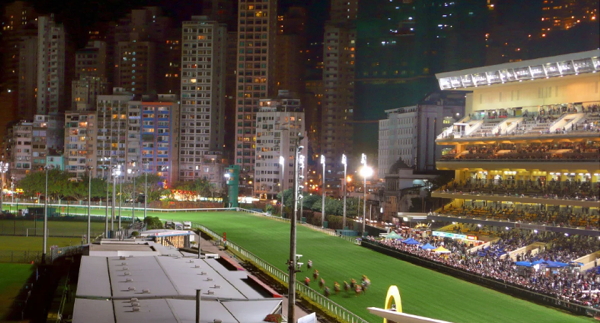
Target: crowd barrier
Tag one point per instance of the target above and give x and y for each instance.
(495, 284)
(304, 291)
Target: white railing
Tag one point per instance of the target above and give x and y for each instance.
(123, 207)
(329, 306)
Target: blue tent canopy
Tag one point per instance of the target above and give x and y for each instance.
(523, 263)
(538, 262)
(427, 246)
(410, 241)
(555, 264)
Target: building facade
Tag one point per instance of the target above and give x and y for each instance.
(257, 23)
(202, 97)
(280, 130)
(80, 142)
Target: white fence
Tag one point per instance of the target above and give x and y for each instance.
(304, 291)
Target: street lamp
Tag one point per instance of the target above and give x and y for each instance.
(323, 198)
(3, 170)
(282, 163)
(365, 172)
(106, 206)
(299, 167)
(345, 163)
(115, 173)
(89, 218)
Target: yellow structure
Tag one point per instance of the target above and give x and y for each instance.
(393, 298)
(393, 310)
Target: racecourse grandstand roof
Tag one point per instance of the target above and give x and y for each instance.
(539, 68)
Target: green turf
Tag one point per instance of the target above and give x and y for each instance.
(424, 292)
(10, 243)
(55, 228)
(12, 278)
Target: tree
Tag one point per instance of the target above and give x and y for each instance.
(58, 183)
(198, 187)
(155, 186)
(153, 222)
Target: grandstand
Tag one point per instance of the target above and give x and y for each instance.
(526, 158)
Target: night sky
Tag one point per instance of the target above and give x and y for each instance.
(79, 16)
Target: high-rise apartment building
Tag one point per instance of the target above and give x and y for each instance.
(21, 147)
(290, 47)
(338, 82)
(280, 129)
(138, 135)
(225, 12)
(80, 142)
(202, 96)
(257, 23)
(18, 23)
(152, 145)
(27, 83)
(143, 53)
(566, 14)
(51, 63)
(112, 130)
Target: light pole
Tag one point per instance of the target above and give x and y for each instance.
(145, 192)
(106, 206)
(133, 199)
(47, 167)
(299, 166)
(365, 172)
(3, 170)
(345, 163)
(89, 218)
(282, 164)
(120, 199)
(115, 173)
(323, 198)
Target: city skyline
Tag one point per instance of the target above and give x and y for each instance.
(346, 61)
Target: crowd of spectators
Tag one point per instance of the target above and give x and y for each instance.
(508, 151)
(539, 121)
(569, 190)
(567, 283)
(541, 214)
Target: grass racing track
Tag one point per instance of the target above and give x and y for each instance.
(423, 291)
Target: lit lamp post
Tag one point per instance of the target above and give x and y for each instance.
(89, 218)
(106, 206)
(345, 163)
(323, 198)
(365, 172)
(116, 173)
(299, 167)
(3, 170)
(282, 164)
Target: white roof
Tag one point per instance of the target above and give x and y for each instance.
(165, 288)
(539, 68)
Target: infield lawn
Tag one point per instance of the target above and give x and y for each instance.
(12, 278)
(423, 291)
